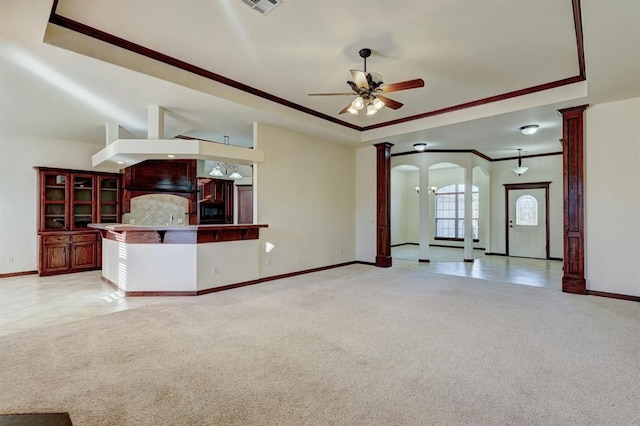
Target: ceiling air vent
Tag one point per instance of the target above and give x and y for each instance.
(262, 6)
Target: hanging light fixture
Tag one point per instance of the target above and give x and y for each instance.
(421, 146)
(520, 170)
(220, 168)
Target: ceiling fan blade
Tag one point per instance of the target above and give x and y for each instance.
(404, 85)
(345, 109)
(389, 102)
(360, 79)
(332, 94)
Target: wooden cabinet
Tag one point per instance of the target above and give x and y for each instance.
(69, 201)
(176, 177)
(63, 252)
(218, 193)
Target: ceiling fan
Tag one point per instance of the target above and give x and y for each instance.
(368, 86)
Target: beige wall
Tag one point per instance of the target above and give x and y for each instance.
(612, 197)
(305, 193)
(404, 207)
(18, 198)
(366, 193)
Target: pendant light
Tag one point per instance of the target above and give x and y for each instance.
(520, 170)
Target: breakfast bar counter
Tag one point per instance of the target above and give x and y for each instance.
(178, 260)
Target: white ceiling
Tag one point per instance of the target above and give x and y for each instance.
(70, 85)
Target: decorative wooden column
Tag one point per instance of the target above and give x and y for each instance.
(573, 280)
(383, 218)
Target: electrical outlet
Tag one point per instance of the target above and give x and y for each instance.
(180, 221)
(132, 221)
(10, 259)
(268, 261)
(215, 270)
(341, 252)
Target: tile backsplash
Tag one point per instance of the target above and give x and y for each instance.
(156, 209)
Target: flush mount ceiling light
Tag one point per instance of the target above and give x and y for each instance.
(520, 170)
(529, 130)
(368, 88)
(420, 146)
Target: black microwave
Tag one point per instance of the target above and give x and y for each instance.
(211, 213)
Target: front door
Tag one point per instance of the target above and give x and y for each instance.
(527, 226)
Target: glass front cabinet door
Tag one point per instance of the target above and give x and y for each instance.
(54, 201)
(82, 202)
(108, 202)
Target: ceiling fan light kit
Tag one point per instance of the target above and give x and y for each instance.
(368, 86)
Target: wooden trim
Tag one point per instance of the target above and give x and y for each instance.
(455, 151)
(81, 28)
(362, 262)
(383, 199)
(475, 152)
(461, 240)
(547, 154)
(292, 274)
(110, 283)
(405, 244)
(456, 247)
(17, 274)
(613, 295)
(490, 99)
(160, 293)
(527, 185)
(235, 285)
(573, 280)
(577, 21)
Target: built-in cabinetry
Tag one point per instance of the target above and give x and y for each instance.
(68, 201)
(215, 201)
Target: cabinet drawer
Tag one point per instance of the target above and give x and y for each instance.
(84, 237)
(51, 239)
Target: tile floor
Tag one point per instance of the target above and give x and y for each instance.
(29, 301)
(517, 270)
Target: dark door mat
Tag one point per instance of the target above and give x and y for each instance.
(43, 419)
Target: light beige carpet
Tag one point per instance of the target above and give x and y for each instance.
(353, 345)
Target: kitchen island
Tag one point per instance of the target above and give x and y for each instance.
(150, 260)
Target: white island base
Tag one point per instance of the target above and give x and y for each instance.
(180, 260)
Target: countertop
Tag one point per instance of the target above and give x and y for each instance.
(121, 227)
